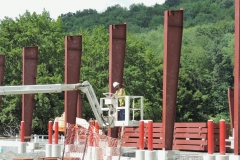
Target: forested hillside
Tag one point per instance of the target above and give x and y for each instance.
(141, 18)
(206, 70)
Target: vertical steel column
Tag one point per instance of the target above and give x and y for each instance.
(29, 74)
(73, 53)
(2, 68)
(117, 49)
(237, 80)
(231, 105)
(79, 105)
(173, 28)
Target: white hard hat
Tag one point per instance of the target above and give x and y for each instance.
(115, 84)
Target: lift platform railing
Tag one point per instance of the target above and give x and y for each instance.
(133, 109)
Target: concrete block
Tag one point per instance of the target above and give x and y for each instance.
(22, 147)
(209, 157)
(56, 150)
(140, 154)
(150, 155)
(33, 145)
(222, 157)
(234, 157)
(48, 150)
(167, 155)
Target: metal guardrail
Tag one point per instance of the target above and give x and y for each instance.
(12, 137)
(33, 138)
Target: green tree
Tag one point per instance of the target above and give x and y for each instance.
(143, 76)
(32, 30)
(94, 67)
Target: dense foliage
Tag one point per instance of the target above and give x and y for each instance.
(141, 18)
(31, 30)
(206, 70)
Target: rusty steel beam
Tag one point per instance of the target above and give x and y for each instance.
(2, 68)
(73, 53)
(29, 74)
(79, 106)
(237, 80)
(231, 105)
(173, 28)
(117, 50)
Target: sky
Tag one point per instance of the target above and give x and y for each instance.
(14, 8)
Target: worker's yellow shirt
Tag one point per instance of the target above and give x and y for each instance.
(121, 92)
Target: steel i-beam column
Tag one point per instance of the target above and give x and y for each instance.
(2, 68)
(117, 49)
(237, 79)
(29, 68)
(79, 105)
(73, 53)
(173, 28)
(231, 105)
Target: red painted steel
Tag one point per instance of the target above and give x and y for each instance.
(50, 129)
(133, 134)
(29, 68)
(190, 135)
(190, 147)
(73, 53)
(117, 49)
(237, 80)
(79, 105)
(200, 142)
(231, 105)
(22, 132)
(141, 135)
(193, 130)
(173, 28)
(56, 132)
(210, 137)
(222, 137)
(190, 125)
(150, 135)
(2, 68)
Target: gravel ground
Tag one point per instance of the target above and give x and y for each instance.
(11, 155)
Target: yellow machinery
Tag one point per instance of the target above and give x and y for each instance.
(61, 123)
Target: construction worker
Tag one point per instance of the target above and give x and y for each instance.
(121, 101)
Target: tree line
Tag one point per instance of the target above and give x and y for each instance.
(141, 18)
